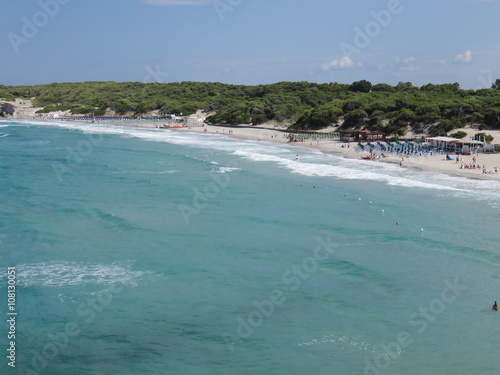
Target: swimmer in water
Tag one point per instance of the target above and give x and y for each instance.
(495, 306)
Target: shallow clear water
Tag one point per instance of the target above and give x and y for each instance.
(148, 251)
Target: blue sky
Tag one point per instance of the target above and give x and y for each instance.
(251, 41)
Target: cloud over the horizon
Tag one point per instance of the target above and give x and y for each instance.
(344, 62)
(461, 58)
(465, 57)
(407, 64)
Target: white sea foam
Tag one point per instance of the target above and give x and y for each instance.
(227, 170)
(168, 172)
(61, 274)
(2, 135)
(347, 172)
(146, 172)
(344, 341)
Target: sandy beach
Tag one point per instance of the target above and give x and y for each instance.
(435, 162)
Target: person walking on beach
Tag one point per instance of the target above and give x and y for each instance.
(495, 306)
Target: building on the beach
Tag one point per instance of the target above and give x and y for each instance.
(361, 135)
(194, 121)
(458, 145)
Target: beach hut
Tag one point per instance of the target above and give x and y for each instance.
(456, 145)
(442, 143)
(471, 145)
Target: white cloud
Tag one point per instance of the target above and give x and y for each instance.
(461, 58)
(343, 63)
(406, 60)
(465, 57)
(409, 68)
(409, 60)
(407, 63)
(177, 2)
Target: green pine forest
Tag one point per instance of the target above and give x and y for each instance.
(433, 109)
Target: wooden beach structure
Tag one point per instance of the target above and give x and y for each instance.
(459, 146)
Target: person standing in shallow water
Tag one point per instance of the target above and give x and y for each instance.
(495, 306)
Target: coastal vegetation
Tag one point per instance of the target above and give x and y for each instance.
(434, 109)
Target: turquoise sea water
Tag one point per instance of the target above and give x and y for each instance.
(155, 252)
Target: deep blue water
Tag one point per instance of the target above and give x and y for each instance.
(154, 252)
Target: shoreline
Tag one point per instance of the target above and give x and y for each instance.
(434, 163)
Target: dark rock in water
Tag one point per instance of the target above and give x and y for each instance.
(6, 109)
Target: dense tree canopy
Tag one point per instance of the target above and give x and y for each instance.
(433, 108)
